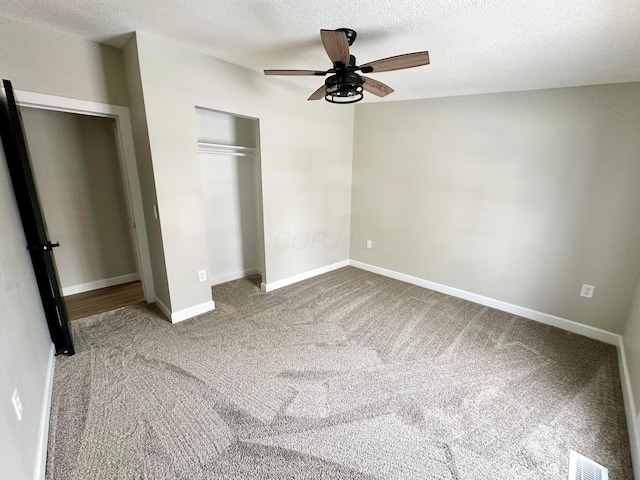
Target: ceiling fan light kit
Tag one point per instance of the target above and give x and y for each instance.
(345, 85)
(345, 88)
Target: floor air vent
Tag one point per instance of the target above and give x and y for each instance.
(581, 468)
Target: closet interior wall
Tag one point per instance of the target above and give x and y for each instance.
(231, 186)
(77, 171)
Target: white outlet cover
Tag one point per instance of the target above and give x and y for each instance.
(202, 275)
(369, 243)
(587, 291)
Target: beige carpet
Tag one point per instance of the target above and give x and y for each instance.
(349, 375)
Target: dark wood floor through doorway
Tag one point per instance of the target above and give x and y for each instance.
(97, 301)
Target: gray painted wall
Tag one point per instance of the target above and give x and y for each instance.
(25, 345)
(77, 171)
(225, 129)
(39, 59)
(521, 197)
(306, 177)
(140, 130)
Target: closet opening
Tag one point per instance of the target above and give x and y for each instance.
(76, 163)
(229, 151)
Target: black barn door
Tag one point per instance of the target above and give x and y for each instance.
(15, 148)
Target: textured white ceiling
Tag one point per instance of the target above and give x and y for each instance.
(476, 46)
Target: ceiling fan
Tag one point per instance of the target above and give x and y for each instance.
(345, 85)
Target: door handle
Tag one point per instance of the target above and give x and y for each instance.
(44, 246)
(50, 246)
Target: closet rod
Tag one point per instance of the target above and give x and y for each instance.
(222, 146)
(220, 149)
(221, 152)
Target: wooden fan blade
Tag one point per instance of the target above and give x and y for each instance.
(336, 45)
(294, 72)
(408, 60)
(376, 87)
(319, 93)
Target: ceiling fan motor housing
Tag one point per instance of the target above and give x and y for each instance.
(344, 87)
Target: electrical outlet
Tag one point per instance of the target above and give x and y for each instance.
(202, 275)
(587, 291)
(17, 404)
(369, 243)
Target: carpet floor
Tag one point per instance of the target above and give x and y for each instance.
(349, 375)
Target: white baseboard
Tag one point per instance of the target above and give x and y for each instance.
(563, 323)
(186, 313)
(235, 276)
(43, 435)
(633, 419)
(163, 308)
(269, 287)
(191, 312)
(105, 282)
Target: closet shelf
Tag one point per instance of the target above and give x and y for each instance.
(220, 149)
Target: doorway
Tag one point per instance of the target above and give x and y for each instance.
(74, 159)
(232, 188)
(86, 174)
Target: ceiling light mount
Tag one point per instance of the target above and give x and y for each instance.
(351, 34)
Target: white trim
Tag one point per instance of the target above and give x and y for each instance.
(191, 312)
(129, 168)
(43, 435)
(163, 308)
(66, 104)
(186, 313)
(633, 424)
(235, 276)
(269, 287)
(547, 319)
(105, 282)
